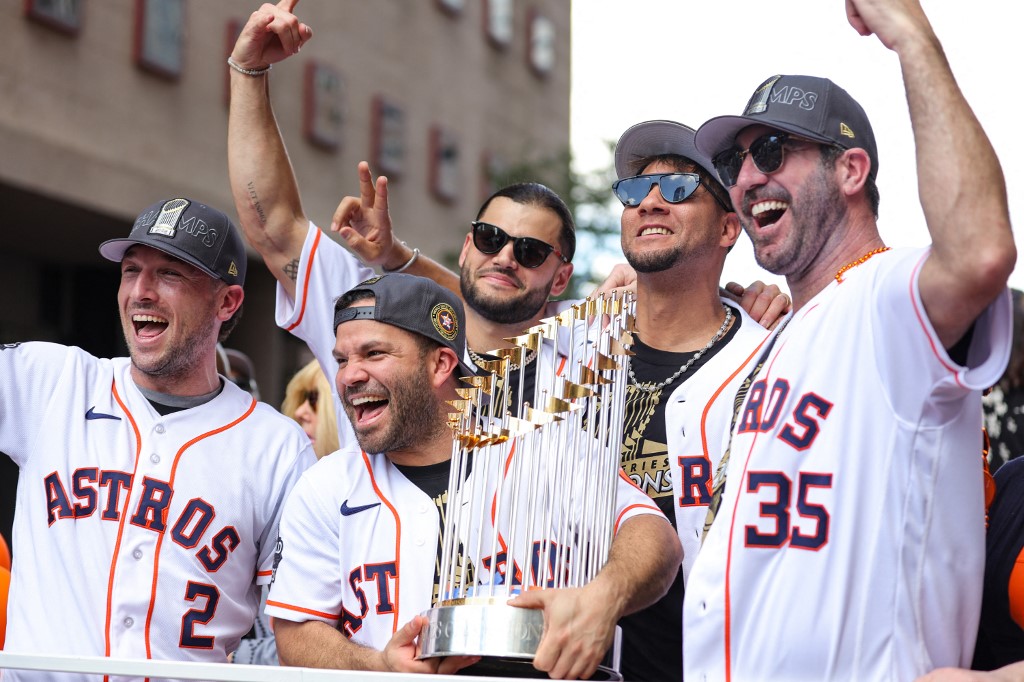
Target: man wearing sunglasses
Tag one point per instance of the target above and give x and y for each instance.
(677, 228)
(515, 256)
(849, 541)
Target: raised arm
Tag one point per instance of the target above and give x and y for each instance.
(960, 182)
(262, 180)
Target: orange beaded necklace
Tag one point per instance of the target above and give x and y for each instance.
(859, 261)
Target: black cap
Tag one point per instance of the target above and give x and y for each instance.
(811, 107)
(416, 304)
(657, 138)
(195, 233)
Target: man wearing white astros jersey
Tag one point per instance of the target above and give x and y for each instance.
(689, 344)
(150, 487)
(359, 535)
(849, 543)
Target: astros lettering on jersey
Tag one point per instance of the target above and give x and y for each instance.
(137, 535)
(359, 546)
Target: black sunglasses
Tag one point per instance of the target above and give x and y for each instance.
(674, 188)
(530, 252)
(310, 397)
(767, 152)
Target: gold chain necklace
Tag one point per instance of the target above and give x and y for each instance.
(860, 261)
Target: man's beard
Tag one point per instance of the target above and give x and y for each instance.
(178, 359)
(414, 415)
(656, 261)
(510, 308)
(813, 220)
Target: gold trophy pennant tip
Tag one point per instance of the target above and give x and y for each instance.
(589, 376)
(540, 417)
(571, 390)
(616, 348)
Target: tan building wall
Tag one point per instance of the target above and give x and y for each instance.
(88, 138)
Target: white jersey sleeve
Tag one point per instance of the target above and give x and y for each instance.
(358, 548)
(326, 271)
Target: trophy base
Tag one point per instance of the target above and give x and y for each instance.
(505, 636)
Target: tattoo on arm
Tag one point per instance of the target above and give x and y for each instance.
(257, 206)
(292, 269)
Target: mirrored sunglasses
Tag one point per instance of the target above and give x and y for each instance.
(529, 252)
(767, 152)
(674, 187)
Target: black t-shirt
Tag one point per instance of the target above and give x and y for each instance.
(652, 639)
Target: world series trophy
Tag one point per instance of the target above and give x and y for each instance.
(531, 497)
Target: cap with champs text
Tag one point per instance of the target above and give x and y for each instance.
(657, 138)
(190, 231)
(808, 106)
(415, 304)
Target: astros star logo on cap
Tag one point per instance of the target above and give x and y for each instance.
(443, 317)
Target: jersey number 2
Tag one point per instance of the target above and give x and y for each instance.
(193, 591)
(778, 510)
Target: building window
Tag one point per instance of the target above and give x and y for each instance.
(452, 7)
(388, 138)
(541, 44)
(159, 36)
(444, 165)
(61, 15)
(498, 21)
(324, 105)
(495, 172)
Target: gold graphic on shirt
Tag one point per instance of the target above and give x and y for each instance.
(644, 461)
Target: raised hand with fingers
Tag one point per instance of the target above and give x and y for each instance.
(364, 222)
(271, 34)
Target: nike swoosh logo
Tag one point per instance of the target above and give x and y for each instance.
(349, 511)
(92, 414)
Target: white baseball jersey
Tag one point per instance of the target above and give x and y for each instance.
(326, 271)
(697, 418)
(359, 546)
(850, 542)
(136, 535)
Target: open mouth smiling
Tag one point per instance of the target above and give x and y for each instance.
(654, 230)
(148, 326)
(367, 407)
(767, 213)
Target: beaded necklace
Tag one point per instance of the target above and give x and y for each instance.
(860, 261)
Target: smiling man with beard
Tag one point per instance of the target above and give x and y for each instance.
(163, 479)
(850, 536)
(360, 535)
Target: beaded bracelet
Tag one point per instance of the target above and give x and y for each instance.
(248, 72)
